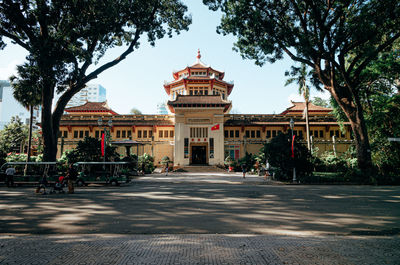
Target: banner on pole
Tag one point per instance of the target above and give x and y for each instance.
(102, 143)
(293, 146)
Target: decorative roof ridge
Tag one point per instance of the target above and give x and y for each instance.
(294, 103)
(166, 83)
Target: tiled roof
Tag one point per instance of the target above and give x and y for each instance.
(92, 107)
(118, 120)
(299, 107)
(272, 119)
(199, 101)
(199, 65)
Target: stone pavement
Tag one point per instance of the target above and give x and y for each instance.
(216, 218)
(198, 249)
(204, 177)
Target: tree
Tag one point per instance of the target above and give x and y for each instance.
(89, 150)
(65, 39)
(337, 39)
(13, 136)
(278, 154)
(381, 101)
(300, 75)
(135, 111)
(28, 94)
(317, 101)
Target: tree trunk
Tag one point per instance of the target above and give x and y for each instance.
(308, 127)
(354, 113)
(28, 157)
(49, 130)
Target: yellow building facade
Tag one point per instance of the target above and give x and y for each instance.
(200, 129)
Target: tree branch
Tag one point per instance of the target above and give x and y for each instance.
(379, 49)
(16, 39)
(17, 18)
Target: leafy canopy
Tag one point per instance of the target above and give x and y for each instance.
(68, 36)
(66, 40)
(13, 134)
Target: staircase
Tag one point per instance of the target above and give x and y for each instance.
(203, 169)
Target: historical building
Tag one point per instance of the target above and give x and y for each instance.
(200, 129)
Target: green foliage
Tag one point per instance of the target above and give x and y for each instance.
(133, 160)
(339, 40)
(166, 160)
(384, 122)
(16, 157)
(13, 134)
(317, 101)
(249, 160)
(3, 157)
(135, 111)
(65, 40)
(339, 114)
(26, 89)
(89, 150)
(146, 162)
(302, 76)
(228, 161)
(278, 153)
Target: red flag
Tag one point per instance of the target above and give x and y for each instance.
(215, 127)
(293, 146)
(102, 143)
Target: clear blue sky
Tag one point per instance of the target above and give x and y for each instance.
(138, 80)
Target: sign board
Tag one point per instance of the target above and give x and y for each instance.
(391, 139)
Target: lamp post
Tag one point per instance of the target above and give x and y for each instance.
(109, 124)
(294, 168)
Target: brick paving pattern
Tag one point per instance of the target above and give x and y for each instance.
(197, 249)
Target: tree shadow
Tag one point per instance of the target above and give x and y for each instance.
(202, 208)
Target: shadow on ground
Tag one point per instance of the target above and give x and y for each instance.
(195, 208)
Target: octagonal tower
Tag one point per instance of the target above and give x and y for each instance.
(198, 98)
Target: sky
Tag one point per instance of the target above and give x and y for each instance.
(137, 82)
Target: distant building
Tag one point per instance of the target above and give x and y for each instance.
(162, 109)
(92, 93)
(10, 107)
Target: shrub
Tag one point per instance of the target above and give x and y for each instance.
(249, 160)
(16, 157)
(146, 163)
(166, 160)
(89, 150)
(278, 152)
(133, 159)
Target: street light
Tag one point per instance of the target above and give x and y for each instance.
(294, 168)
(109, 124)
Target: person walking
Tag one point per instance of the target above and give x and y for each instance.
(166, 169)
(244, 168)
(267, 168)
(10, 176)
(72, 175)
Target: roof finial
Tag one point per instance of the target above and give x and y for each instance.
(198, 54)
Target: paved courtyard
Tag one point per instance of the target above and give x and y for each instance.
(202, 218)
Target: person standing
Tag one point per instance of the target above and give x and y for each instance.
(244, 168)
(10, 176)
(72, 175)
(267, 168)
(166, 169)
